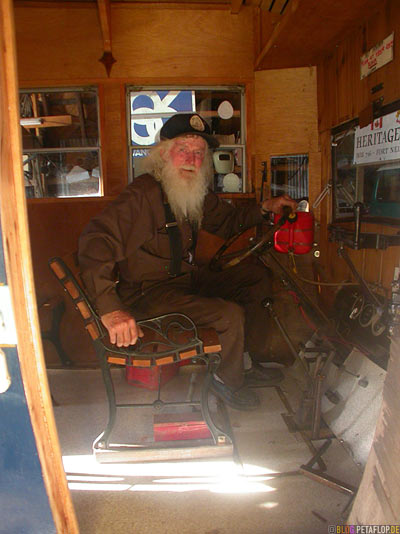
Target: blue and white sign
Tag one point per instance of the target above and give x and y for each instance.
(150, 109)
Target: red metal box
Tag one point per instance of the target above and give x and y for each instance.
(297, 237)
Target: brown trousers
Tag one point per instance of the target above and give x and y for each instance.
(229, 301)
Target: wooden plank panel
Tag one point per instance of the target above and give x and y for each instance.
(114, 137)
(378, 29)
(324, 209)
(58, 43)
(235, 6)
(285, 101)
(344, 80)
(55, 225)
(268, 22)
(20, 278)
(104, 11)
(360, 95)
(310, 30)
(279, 33)
(145, 43)
(327, 102)
(209, 43)
(378, 499)
(342, 95)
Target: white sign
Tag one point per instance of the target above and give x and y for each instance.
(379, 141)
(378, 56)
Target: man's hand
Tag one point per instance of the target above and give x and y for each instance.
(276, 204)
(122, 328)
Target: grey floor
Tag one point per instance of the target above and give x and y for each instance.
(266, 494)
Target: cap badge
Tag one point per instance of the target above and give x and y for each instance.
(196, 123)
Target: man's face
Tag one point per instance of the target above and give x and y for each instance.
(187, 155)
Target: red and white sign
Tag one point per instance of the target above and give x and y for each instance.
(378, 56)
(379, 141)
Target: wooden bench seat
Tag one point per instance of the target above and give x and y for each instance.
(167, 339)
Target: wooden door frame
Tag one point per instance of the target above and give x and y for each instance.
(14, 222)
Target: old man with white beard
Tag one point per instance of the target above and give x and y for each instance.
(130, 242)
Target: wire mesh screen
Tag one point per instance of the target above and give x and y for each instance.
(289, 175)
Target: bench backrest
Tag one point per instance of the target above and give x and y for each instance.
(167, 339)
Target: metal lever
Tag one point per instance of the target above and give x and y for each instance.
(342, 253)
(326, 191)
(357, 227)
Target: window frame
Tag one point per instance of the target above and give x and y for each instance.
(66, 150)
(360, 171)
(302, 169)
(378, 111)
(242, 146)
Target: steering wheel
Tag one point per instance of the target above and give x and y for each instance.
(222, 260)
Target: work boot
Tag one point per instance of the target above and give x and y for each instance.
(239, 399)
(261, 377)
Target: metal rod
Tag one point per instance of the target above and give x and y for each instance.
(303, 434)
(161, 404)
(319, 453)
(316, 417)
(288, 279)
(342, 252)
(357, 226)
(268, 306)
(332, 482)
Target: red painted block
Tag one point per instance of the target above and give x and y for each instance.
(180, 426)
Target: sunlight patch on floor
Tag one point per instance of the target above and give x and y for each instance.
(241, 485)
(84, 473)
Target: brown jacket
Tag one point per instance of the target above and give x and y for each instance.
(128, 241)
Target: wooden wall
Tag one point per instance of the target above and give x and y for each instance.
(60, 46)
(341, 97)
(378, 500)
(286, 120)
(19, 463)
(162, 43)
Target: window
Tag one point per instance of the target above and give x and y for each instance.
(289, 175)
(60, 142)
(221, 107)
(366, 169)
(345, 174)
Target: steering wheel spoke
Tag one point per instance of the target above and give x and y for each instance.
(223, 260)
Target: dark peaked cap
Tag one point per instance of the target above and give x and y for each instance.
(188, 124)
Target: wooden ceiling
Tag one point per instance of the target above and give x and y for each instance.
(300, 32)
(310, 29)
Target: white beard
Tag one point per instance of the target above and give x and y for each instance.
(185, 195)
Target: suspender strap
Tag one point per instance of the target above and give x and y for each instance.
(195, 233)
(175, 241)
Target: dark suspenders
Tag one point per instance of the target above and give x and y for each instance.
(175, 239)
